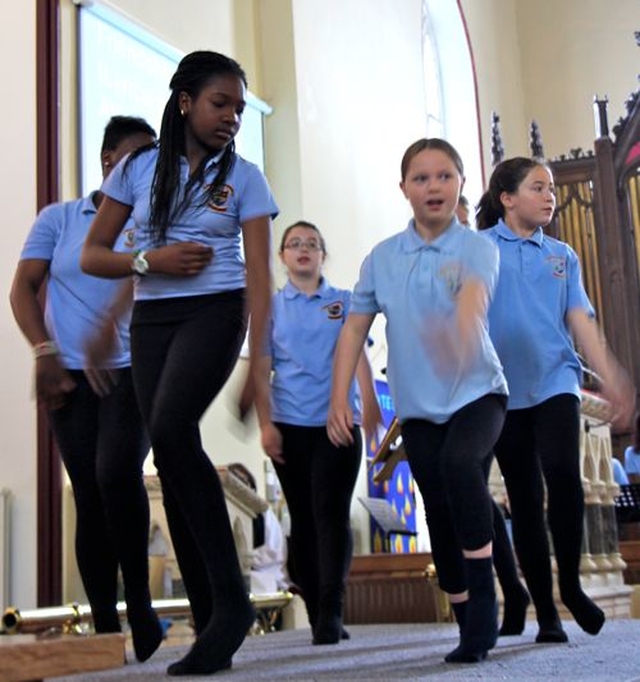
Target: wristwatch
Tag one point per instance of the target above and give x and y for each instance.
(140, 265)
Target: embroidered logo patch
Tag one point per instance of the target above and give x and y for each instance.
(558, 266)
(130, 238)
(335, 310)
(450, 274)
(220, 199)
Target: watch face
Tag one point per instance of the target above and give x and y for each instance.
(140, 264)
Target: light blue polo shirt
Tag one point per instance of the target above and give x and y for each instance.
(304, 333)
(631, 460)
(76, 302)
(539, 283)
(244, 196)
(415, 284)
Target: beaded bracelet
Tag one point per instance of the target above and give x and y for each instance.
(44, 348)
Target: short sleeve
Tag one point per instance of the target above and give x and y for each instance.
(44, 234)
(576, 294)
(482, 261)
(117, 185)
(255, 197)
(363, 299)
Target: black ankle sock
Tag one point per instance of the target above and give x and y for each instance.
(480, 631)
(516, 602)
(214, 647)
(587, 614)
(146, 631)
(550, 631)
(460, 612)
(106, 621)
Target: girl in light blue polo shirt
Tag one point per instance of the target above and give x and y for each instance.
(632, 455)
(91, 400)
(198, 209)
(538, 306)
(433, 282)
(317, 477)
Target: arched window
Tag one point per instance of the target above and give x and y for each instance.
(432, 79)
(450, 87)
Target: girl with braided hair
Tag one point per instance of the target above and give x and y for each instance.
(195, 203)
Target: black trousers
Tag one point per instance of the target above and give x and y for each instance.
(450, 462)
(183, 351)
(541, 445)
(103, 445)
(318, 480)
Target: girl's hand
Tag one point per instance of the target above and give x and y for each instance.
(621, 394)
(271, 440)
(181, 259)
(340, 425)
(372, 421)
(52, 382)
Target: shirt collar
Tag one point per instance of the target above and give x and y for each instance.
(412, 242)
(87, 203)
(505, 232)
(291, 291)
(213, 161)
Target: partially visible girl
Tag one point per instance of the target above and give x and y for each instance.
(632, 455)
(317, 476)
(92, 405)
(539, 308)
(433, 282)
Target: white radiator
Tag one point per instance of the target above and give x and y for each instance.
(5, 547)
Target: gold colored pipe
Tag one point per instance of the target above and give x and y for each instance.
(69, 618)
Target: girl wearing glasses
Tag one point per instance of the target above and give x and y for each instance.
(317, 477)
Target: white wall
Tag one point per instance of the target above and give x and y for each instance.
(572, 50)
(18, 182)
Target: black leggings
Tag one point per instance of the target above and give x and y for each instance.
(450, 462)
(103, 446)
(318, 480)
(183, 351)
(542, 444)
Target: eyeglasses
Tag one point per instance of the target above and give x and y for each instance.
(310, 245)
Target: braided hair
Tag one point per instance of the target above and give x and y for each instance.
(194, 72)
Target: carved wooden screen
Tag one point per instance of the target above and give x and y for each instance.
(574, 221)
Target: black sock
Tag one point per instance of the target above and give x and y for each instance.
(215, 646)
(480, 631)
(146, 631)
(588, 615)
(460, 612)
(514, 616)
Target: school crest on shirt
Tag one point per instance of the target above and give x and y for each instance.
(450, 275)
(220, 199)
(558, 266)
(335, 310)
(129, 238)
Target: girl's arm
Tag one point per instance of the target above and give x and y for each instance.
(371, 414)
(102, 344)
(98, 257)
(471, 310)
(348, 352)
(616, 385)
(52, 380)
(257, 249)
(270, 436)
